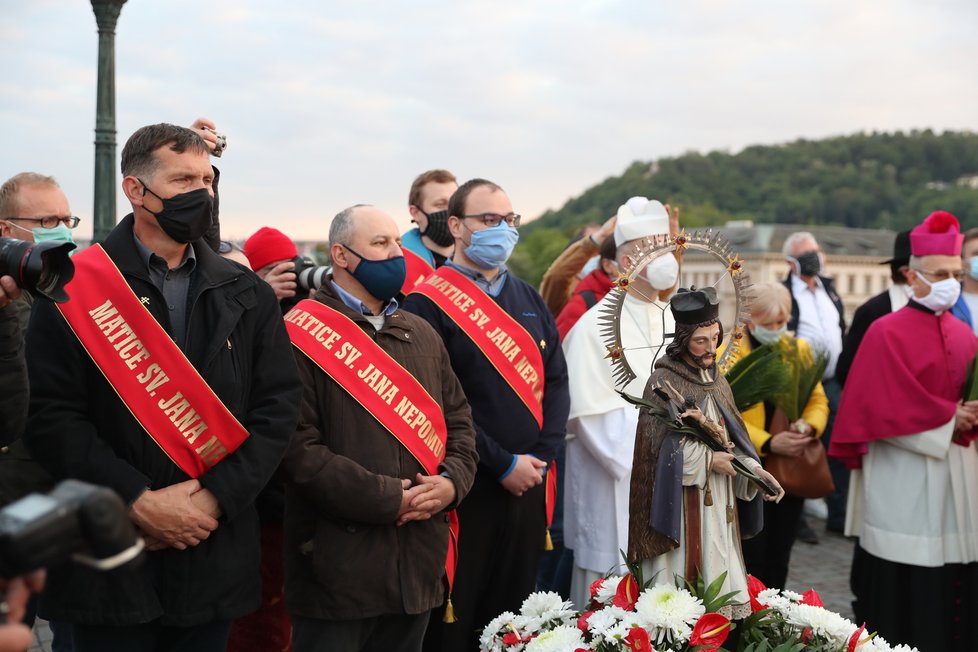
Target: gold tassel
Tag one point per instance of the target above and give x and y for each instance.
(708, 500)
(548, 543)
(449, 616)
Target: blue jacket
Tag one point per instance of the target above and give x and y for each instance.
(961, 310)
(412, 240)
(504, 426)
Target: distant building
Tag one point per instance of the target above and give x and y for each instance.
(852, 260)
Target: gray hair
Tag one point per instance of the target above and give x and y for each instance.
(341, 229)
(8, 191)
(770, 300)
(794, 239)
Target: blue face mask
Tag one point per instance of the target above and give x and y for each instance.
(383, 279)
(61, 233)
(490, 248)
(767, 335)
(973, 270)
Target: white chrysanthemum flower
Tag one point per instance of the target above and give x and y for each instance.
(791, 595)
(669, 612)
(823, 623)
(539, 603)
(602, 620)
(491, 640)
(904, 648)
(608, 588)
(616, 632)
(558, 639)
(772, 599)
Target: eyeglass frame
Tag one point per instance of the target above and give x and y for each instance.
(58, 219)
(957, 275)
(492, 220)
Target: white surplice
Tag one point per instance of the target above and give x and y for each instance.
(915, 501)
(601, 436)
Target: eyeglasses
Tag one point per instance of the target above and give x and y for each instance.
(942, 275)
(49, 221)
(492, 219)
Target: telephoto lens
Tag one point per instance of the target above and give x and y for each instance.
(40, 267)
(309, 275)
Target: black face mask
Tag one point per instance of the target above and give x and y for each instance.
(438, 228)
(185, 217)
(809, 264)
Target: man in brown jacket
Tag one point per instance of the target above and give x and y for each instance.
(366, 522)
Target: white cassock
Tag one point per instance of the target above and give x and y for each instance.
(601, 436)
(915, 501)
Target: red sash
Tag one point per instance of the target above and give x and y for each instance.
(380, 384)
(507, 345)
(138, 358)
(417, 269)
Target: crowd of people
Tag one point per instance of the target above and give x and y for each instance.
(392, 455)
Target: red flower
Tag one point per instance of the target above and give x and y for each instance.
(755, 586)
(710, 630)
(854, 639)
(638, 640)
(627, 593)
(595, 585)
(811, 598)
(582, 620)
(511, 638)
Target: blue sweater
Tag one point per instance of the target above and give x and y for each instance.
(504, 426)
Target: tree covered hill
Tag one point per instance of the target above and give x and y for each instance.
(877, 180)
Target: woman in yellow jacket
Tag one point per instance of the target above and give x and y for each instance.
(767, 555)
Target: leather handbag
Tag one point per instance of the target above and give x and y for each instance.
(806, 475)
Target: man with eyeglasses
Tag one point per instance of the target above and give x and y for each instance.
(505, 349)
(32, 207)
(908, 436)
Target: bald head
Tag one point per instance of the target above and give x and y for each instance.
(365, 230)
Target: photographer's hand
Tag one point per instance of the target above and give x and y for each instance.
(170, 515)
(206, 129)
(281, 278)
(8, 291)
(14, 636)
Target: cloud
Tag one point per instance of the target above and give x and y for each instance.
(326, 108)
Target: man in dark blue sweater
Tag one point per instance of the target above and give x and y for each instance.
(519, 402)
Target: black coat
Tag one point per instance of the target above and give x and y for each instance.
(79, 428)
(865, 315)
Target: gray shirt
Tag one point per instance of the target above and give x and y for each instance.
(173, 283)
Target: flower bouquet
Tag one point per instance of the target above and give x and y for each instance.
(622, 616)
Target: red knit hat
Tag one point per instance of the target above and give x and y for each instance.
(939, 235)
(268, 245)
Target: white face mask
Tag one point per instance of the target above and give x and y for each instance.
(767, 335)
(590, 266)
(942, 295)
(663, 272)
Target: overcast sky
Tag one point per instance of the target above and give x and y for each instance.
(330, 104)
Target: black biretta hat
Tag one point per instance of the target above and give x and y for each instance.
(695, 306)
(901, 250)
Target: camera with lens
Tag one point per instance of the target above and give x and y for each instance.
(40, 267)
(76, 521)
(309, 275)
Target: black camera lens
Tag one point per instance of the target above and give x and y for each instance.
(41, 267)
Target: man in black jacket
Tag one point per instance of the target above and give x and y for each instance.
(202, 570)
(890, 300)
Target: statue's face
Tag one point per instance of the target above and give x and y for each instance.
(702, 349)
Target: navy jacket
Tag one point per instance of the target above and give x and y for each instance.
(503, 425)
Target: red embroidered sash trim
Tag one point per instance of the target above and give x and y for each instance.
(502, 339)
(417, 269)
(380, 384)
(139, 360)
(372, 377)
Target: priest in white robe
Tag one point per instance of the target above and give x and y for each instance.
(601, 426)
